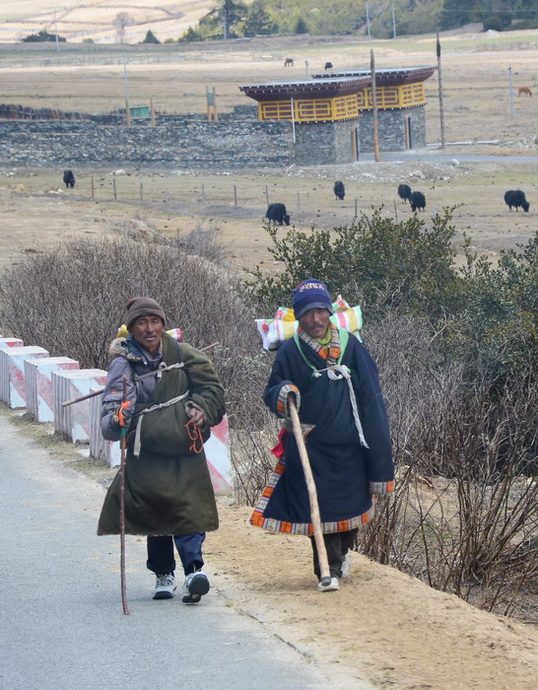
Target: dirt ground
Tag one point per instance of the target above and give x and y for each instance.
(382, 625)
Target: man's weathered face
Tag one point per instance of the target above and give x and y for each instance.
(148, 332)
(315, 322)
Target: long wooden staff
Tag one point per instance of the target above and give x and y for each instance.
(123, 443)
(312, 494)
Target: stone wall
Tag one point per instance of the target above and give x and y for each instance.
(237, 141)
(324, 143)
(234, 142)
(391, 130)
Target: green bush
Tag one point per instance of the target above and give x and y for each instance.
(497, 331)
(375, 261)
(497, 22)
(43, 37)
(151, 38)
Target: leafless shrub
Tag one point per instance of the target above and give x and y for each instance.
(464, 517)
(72, 300)
(203, 242)
(252, 460)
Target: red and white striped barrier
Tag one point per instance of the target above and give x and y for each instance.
(217, 452)
(108, 451)
(73, 421)
(12, 375)
(38, 374)
(10, 342)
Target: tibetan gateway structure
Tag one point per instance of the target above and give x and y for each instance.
(331, 114)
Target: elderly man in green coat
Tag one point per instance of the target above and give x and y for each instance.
(172, 398)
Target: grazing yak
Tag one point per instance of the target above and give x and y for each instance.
(328, 65)
(288, 62)
(516, 198)
(69, 179)
(417, 201)
(276, 213)
(404, 192)
(339, 190)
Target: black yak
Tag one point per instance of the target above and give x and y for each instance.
(516, 198)
(404, 192)
(276, 213)
(328, 65)
(417, 201)
(339, 190)
(69, 179)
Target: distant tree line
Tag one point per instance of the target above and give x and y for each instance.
(381, 19)
(236, 19)
(498, 15)
(43, 37)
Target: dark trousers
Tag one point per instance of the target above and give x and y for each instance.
(337, 545)
(161, 553)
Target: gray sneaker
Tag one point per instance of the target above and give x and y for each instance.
(165, 586)
(333, 585)
(194, 587)
(346, 565)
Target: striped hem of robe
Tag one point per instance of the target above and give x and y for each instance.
(257, 518)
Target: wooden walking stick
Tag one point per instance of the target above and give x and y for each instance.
(123, 442)
(312, 494)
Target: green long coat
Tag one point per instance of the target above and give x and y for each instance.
(168, 492)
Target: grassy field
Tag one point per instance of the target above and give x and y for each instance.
(478, 104)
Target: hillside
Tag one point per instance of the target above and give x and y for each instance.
(92, 19)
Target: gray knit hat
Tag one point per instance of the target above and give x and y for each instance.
(143, 306)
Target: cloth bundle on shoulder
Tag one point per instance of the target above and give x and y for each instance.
(284, 325)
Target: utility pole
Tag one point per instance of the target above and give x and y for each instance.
(368, 20)
(225, 18)
(393, 23)
(56, 34)
(127, 106)
(292, 104)
(511, 93)
(441, 102)
(374, 107)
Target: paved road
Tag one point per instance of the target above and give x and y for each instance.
(62, 625)
(433, 155)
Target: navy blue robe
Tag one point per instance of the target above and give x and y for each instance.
(346, 473)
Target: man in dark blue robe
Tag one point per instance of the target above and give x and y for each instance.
(334, 382)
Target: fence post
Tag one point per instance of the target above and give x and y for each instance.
(114, 187)
(235, 195)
